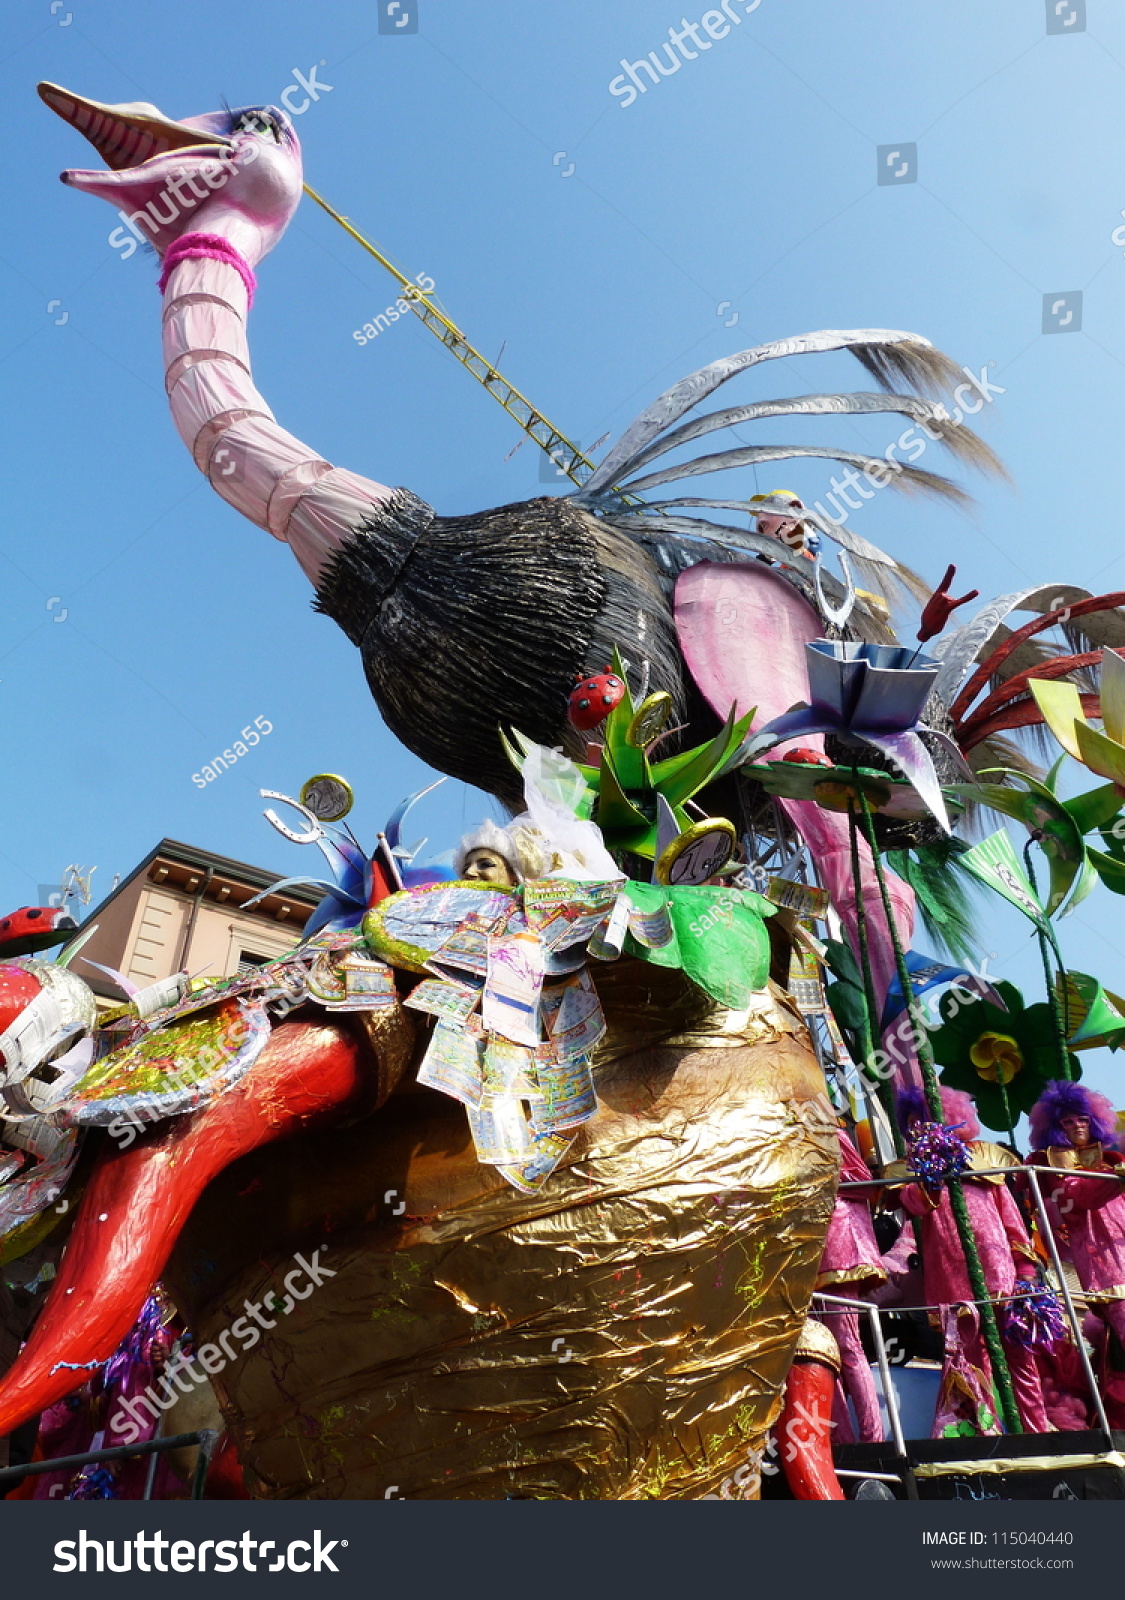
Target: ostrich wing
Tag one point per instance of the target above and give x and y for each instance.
(698, 530)
(959, 650)
(704, 539)
(751, 454)
(853, 543)
(960, 440)
(888, 354)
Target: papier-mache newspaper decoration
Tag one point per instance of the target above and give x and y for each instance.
(516, 1025)
(145, 1062)
(995, 862)
(503, 970)
(34, 1170)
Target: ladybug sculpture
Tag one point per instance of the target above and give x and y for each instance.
(33, 928)
(804, 755)
(592, 700)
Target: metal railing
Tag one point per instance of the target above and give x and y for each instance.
(205, 1438)
(1034, 1175)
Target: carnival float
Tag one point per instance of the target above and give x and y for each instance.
(625, 1149)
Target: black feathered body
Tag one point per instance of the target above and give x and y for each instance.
(467, 625)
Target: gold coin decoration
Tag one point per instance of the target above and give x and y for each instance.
(327, 796)
(650, 719)
(697, 854)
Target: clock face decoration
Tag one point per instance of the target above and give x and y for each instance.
(328, 797)
(697, 854)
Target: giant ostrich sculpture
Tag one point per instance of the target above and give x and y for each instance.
(680, 1374)
(525, 596)
(444, 609)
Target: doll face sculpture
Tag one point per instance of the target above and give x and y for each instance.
(487, 866)
(788, 529)
(784, 528)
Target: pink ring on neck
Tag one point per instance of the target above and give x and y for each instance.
(210, 247)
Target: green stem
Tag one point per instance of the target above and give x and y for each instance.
(1008, 1117)
(870, 1003)
(1059, 1022)
(989, 1326)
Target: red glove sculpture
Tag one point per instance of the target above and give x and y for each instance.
(940, 606)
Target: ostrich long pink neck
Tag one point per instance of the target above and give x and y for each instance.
(272, 478)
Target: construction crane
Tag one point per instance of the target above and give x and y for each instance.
(562, 451)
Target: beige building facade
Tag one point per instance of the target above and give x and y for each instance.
(183, 909)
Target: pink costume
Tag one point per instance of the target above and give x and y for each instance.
(850, 1266)
(1005, 1252)
(65, 1429)
(1093, 1216)
(1087, 1213)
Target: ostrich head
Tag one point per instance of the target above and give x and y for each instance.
(243, 164)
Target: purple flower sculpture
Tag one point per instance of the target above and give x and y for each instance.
(869, 694)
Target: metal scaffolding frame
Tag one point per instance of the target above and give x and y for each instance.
(1034, 1175)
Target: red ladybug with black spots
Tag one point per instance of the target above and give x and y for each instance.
(592, 700)
(33, 928)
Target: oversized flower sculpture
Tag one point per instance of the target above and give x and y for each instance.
(1061, 705)
(1000, 1057)
(1059, 826)
(868, 694)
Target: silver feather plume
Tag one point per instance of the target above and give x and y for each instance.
(890, 356)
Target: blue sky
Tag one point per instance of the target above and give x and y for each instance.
(606, 247)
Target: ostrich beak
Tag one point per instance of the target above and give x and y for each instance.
(139, 144)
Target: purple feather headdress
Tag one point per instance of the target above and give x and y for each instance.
(137, 1346)
(1061, 1099)
(957, 1111)
(912, 1106)
(1033, 1316)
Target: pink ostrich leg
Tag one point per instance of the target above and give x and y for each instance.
(743, 631)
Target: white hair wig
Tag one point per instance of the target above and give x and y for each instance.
(489, 836)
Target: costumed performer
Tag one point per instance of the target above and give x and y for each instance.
(850, 1266)
(1006, 1253)
(1073, 1130)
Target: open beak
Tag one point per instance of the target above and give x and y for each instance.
(137, 142)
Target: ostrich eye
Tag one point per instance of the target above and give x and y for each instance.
(260, 122)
